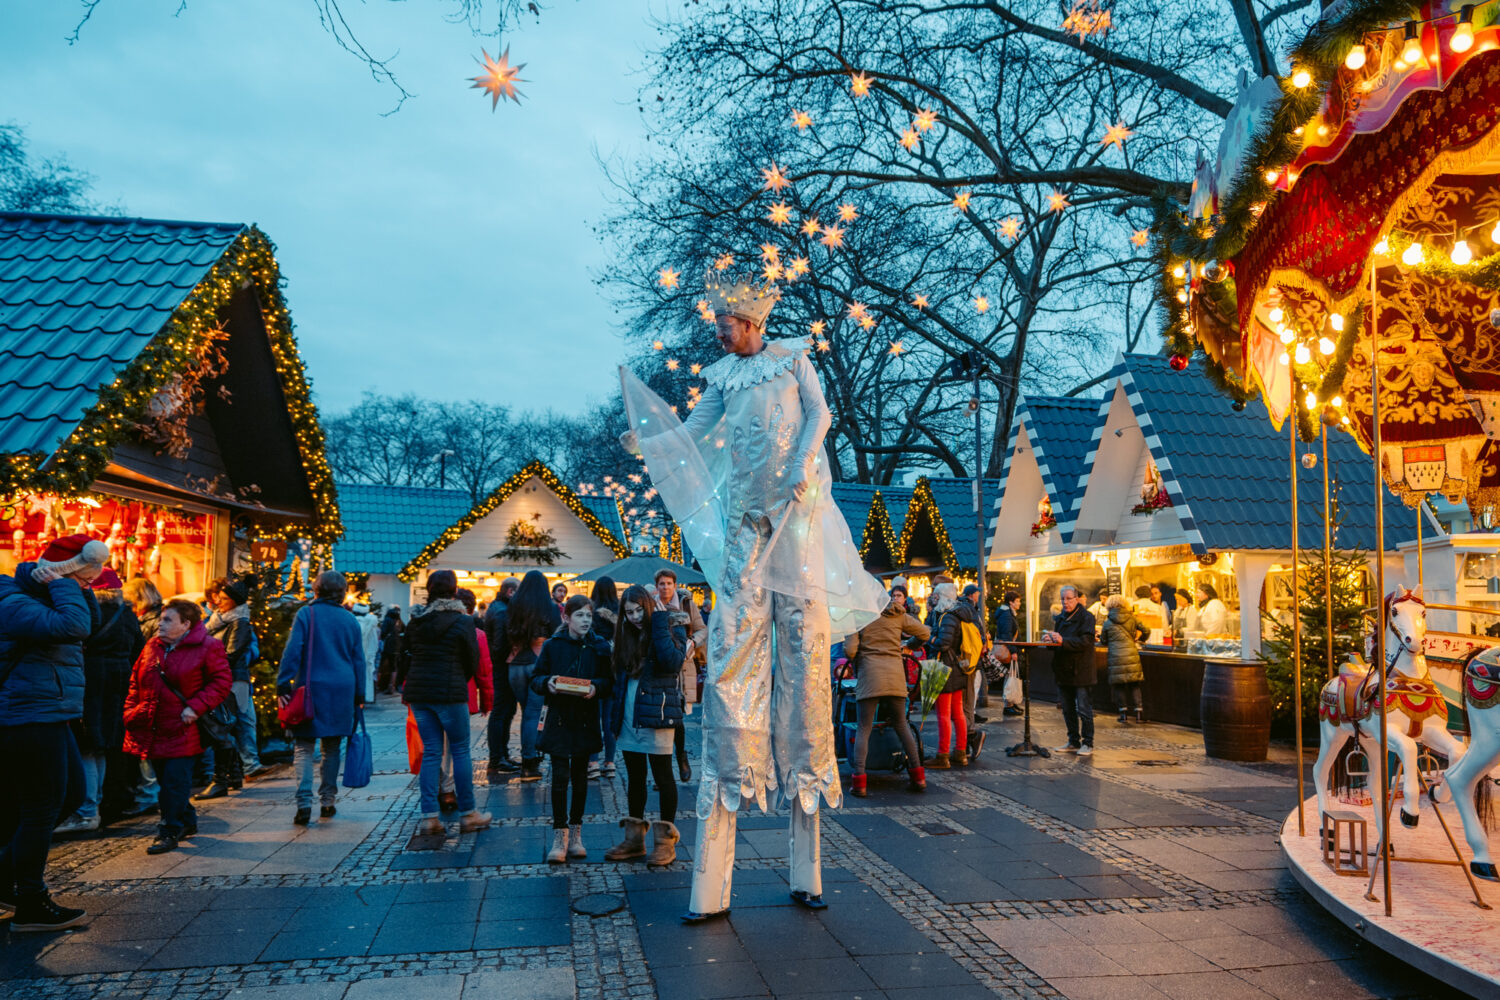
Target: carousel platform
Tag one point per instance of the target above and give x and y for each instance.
(1434, 922)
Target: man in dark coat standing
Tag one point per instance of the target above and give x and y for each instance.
(1073, 664)
(504, 712)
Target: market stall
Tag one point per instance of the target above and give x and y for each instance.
(155, 399)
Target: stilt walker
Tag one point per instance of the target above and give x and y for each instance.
(745, 480)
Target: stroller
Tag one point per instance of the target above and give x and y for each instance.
(886, 753)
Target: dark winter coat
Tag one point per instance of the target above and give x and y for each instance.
(605, 620)
(1122, 633)
(392, 635)
(877, 652)
(494, 631)
(238, 636)
(949, 645)
(659, 701)
(42, 628)
(442, 655)
(108, 656)
(325, 639)
(198, 669)
(573, 725)
(1006, 626)
(1073, 661)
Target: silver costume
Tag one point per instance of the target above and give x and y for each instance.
(785, 574)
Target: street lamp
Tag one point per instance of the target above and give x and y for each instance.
(443, 467)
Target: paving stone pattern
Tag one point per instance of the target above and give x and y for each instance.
(1145, 872)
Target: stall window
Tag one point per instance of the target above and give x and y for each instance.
(1048, 602)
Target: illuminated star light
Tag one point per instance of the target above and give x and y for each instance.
(920, 301)
(833, 237)
(499, 79)
(773, 271)
(847, 212)
(724, 263)
(981, 304)
(695, 369)
(1115, 135)
(909, 139)
(897, 347)
(672, 364)
(667, 277)
(1087, 19)
(823, 345)
(770, 252)
(780, 213)
(811, 227)
(867, 322)
(817, 327)
(1010, 227)
(775, 179)
(1140, 236)
(858, 310)
(859, 84)
(801, 119)
(798, 267)
(961, 200)
(926, 118)
(1057, 201)
(657, 345)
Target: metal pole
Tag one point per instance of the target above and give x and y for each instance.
(1328, 552)
(1380, 613)
(1297, 623)
(979, 502)
(1420, 571)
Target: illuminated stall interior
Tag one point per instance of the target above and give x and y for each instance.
(154, 398)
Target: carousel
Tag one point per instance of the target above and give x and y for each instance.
(1341, 258)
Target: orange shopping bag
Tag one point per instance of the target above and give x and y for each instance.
(413, 744)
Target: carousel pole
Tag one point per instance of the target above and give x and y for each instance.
(1296, 622)
(1380, 613)
(1328, 553)
(1421, 572)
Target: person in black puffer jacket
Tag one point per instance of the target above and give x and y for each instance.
(440, 659)
(572, 730)
(46, 612)
(230, 624)
(503, 715)
(110, 776)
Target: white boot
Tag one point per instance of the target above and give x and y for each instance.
(559, 853)
(575, 843)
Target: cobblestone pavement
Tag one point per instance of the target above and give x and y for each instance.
(1144, 872)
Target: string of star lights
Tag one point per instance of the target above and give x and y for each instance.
(534, 468)
(179, 348)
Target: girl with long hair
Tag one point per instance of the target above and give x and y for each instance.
(530, 618)
(647, 663)
(606, 600)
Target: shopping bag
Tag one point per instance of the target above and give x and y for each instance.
(413, 744)
(359, 760)
(1011, 692)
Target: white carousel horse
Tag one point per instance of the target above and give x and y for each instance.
(1481, 694)
(1415, 709)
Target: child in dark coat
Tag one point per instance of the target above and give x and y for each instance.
(571, 729)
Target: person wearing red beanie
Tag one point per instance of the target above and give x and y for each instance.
(46, 613)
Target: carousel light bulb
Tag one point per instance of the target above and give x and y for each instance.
(1383, 247)
(1182, 295)
(1303, 355)
(1337, 401)
(1311, 401)
(1285, 334)
(1284, 359)
(1275, 314)
(1495, 233)
(1461, 254)
(1463, 35)
(1271, 176)
(1177, 271)
(1356, 57)
(1326, 346)
(1411, 52)
(1412, 255)
(1301, 78)
(1336, 320)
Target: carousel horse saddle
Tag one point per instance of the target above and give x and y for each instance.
(1350, 696)
(1482, 678)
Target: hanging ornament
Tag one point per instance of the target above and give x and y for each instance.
(1140, 237)
(780, 214)
(1495, 318)
(1214, 271)
(801, 119)
(1309, 460)
(1115, 135)
(499, 79)
(667, 277)
(859, 84)
(774, 178)
(1179, 362)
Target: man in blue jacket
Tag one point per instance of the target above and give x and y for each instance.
(46, 612)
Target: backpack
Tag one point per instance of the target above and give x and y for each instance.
(971, 646)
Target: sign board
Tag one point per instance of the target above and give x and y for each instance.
(268, 550)
(1113, 580)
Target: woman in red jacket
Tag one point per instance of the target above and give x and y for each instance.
(181, 674)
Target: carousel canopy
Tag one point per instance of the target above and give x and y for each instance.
(643, 570)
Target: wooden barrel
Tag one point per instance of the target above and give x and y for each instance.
(1236, 710)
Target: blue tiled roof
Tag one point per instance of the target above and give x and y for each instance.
(1059, 429)
(386, 526)
(80, 297)
(1227, 472)
(853, 501)
(607, 510)
(896, 499)
(955, 503)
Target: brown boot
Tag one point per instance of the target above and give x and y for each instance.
(430, 827)
(473, 821)
(960, 758)
(634, 844)
(664, 839)
(940, 762)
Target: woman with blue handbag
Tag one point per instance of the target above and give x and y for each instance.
(324, 659)
(647, 661)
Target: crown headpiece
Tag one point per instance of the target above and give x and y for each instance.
(740, 296)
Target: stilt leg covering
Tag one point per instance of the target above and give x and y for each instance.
(806, 851)
(713, 860)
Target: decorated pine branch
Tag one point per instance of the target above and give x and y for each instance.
(529, 542)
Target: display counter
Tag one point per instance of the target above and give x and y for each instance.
(1171, 691)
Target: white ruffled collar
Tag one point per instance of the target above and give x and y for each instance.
(733, 372)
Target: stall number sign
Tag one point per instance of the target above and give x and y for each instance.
(268, 550)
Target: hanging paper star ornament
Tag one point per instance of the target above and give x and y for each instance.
(823, 345)
(667, 277)
(801, 119)
(499, 79)
(775, 179)
(858, 310)
(1010, 227)
(925, 119)
(770, 251)
(672, 364)
(919, 300)
(1057, 201)
(724, 262)
(695, 369)
(981, 303)
(867, 322)
(797, 268)
(833, 237)
(847, 212)
(859, 84)
(817, 327)
(657, 345)
(773, 271)
(1115, 135)
(811, 227)
(780, 213)
(909, 139)
(961, 201)
(897, 347)
(1140, 236)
